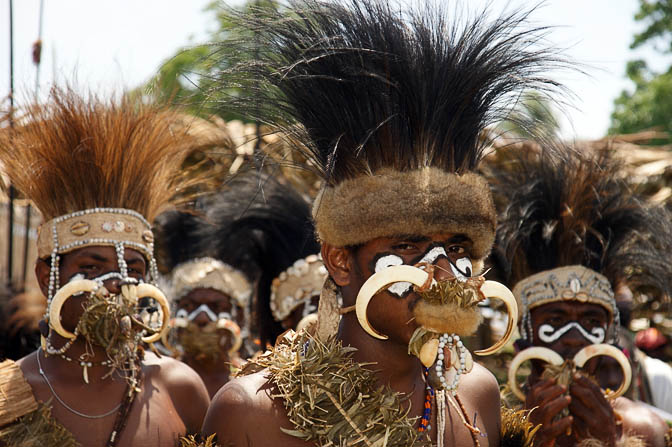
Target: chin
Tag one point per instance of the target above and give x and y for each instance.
(447, 318)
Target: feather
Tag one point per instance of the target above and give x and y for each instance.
(358, 85)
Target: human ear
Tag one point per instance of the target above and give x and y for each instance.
(42, 270)
(337, 262)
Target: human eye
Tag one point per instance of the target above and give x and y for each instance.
(404, 247)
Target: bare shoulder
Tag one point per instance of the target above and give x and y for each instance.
(482, 384)
(244, 413)
(639, 420)
(185, 387)
(480, 392)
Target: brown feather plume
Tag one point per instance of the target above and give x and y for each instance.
(77, 152)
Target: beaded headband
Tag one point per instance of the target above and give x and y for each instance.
(209, 273)
(96, 226)
(296, 285)
(568, 283)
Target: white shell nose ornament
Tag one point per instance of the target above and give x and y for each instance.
(419, 278)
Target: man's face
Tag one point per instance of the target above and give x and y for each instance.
(91, 262)
(391, 312)
(218, 302)
(568, 326)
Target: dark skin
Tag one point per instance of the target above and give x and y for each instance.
(244, 414)
(172, 401)
(591, 415)
(214, 374)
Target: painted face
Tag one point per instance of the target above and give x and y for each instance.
(461, 268)
(208, 324)
(391, 312)
(566, 327)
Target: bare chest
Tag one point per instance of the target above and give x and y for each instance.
(91, 415)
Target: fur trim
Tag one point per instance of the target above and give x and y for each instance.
(419, 202)
(448, 318)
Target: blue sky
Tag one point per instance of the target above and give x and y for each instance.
(109, 45)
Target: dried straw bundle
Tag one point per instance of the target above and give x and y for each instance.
(517, 430)
(37, 429)
(16, 396)
(333, 400)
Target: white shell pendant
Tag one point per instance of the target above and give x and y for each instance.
(468, 362)
(429, 351)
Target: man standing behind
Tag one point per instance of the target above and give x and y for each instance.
(99, 172)
(570, 232)
(389, 107)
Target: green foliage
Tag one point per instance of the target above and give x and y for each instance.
(190, 77)
(650, 104)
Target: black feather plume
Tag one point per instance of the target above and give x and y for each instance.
(262, 228)
(364, 86)
(563, 207)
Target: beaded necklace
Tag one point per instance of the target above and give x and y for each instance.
(427, 410)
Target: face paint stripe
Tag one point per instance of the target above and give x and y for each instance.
(549, 334)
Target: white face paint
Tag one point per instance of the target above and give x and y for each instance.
(398, 288)
(548, 334)
(182, 313)
(463, 265)
(461, 269)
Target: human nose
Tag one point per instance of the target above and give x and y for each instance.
(442, 270)
(201, 319)
(113, 285)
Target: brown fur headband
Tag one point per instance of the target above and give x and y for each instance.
(419, 202)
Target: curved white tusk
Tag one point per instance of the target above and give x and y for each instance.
(234, 329)
(65, 292)
(150, 291)
(379, 281)
(591, 351)
(493, 289)
(536, 352)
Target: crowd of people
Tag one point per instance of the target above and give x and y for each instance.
(250, 314)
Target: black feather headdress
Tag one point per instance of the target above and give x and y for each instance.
(568, 216)
(262, 228)
(389, 106)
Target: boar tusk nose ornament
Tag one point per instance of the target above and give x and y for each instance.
(150, 291)
(89, 286)
(580, 359)
(234, 329)
(591, 351)
(65, 292)
(493, 289)
(420, 278)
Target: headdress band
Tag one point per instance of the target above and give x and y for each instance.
(96, 226)
(209, 273)
(298, 283)
(569, 283)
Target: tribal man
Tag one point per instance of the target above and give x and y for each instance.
(264, 226)
(210, 299)
(571, 232)
(99, 172)
(389, 106)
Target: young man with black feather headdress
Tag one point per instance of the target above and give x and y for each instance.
(389, 106)
(570, 233)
